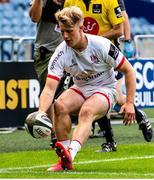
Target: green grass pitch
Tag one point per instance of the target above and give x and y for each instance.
(22, 156)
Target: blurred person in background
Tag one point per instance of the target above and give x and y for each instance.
(48, 37)
(129, 52)
(128, 48)
(141, 117)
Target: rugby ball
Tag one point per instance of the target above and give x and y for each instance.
(38, 125)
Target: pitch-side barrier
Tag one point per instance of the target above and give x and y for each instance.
(19, 86)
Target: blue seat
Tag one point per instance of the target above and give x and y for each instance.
(5, 21)
(133, 21)
(9, 15)
(140, 26)
(15, 22)
(143, 21)
(15, 3)
(136, 30)
(7, 30)
(152, 28)
(1, 8)
(146, 29)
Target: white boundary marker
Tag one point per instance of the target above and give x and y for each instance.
(9, 170)
(115, 121)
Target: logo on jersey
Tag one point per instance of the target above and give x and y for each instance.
(94, 59)
(91, 26)
(97, 8)
(56, 59)
(88, 75)
(118, 12)
(113, 52)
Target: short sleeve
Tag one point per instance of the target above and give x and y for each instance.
(56, 67)
(112, 55)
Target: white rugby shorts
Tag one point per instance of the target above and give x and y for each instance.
(86, 91)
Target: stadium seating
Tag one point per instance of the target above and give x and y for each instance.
(15, 21)
(141, 26)
(15, 13)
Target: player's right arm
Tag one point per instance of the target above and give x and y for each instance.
(35, 10)
(47, 95)
(55, 73)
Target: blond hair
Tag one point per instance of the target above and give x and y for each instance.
(70, 16)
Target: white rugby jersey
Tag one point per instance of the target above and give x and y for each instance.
(93, 66)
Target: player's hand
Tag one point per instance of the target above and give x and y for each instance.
(128, 49)
(129, 113)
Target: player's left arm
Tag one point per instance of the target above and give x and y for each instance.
(130, 82)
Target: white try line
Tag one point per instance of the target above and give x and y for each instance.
(85, 173)
(115, 121)
(3, 170)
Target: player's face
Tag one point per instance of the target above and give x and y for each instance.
(72, 35)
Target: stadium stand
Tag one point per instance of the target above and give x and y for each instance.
(141, 26)
(15, 22)
(15, 19)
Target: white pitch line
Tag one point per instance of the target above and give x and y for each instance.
(116, 159)
(84, 173)
(2, 170)
(115, 121)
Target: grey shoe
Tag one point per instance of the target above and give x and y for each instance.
(108, 147)
(100, 133)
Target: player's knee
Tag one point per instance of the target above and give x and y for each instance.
(86, 114)
(60, 108)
